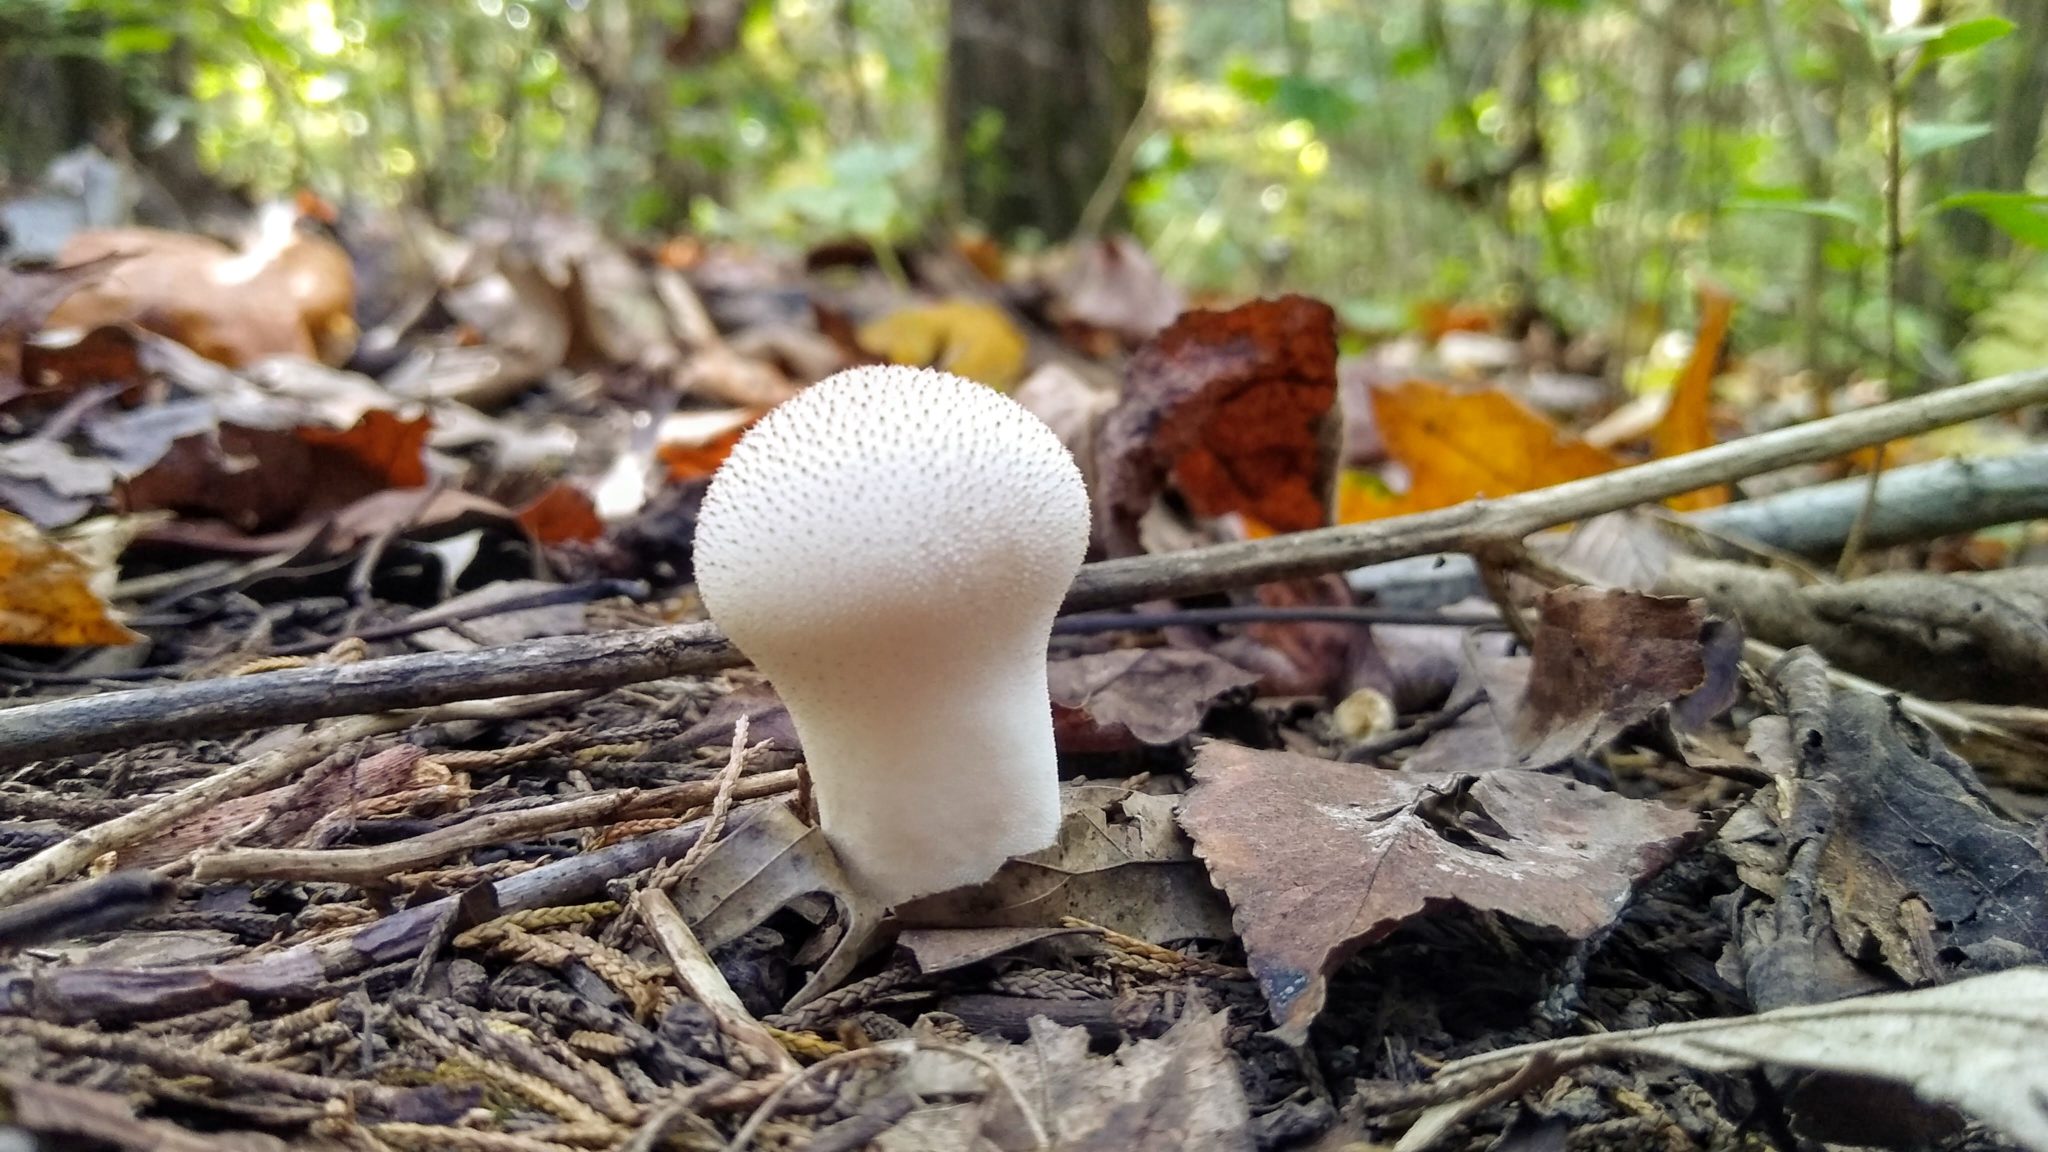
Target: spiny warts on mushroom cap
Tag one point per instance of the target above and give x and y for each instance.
(890, 547)
(885, 487)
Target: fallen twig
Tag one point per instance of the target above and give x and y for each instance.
(377, 865)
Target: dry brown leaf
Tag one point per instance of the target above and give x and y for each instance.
(287, 293)
(1320, 859)
(46, 595)
(564, 512)
(26, 298)
(1607, 659)
(1232, 404)
(1113, 284)
(1127, 697)
(1180, 1091)
(260, 480)
(1974, 1044)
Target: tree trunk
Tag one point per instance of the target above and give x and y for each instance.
(1039, 95)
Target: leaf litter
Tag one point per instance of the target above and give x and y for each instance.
(1624, 834)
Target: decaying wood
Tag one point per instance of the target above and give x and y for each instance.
(215, 707)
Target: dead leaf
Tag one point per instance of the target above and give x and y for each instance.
(768, 858)
(26, 299)
(285, 293)
(1688, 424)
(1118, 700)
(561, 513)
(260, 480)
(1180, 1090)
(1072, 407)
(46, 595)
(1320, 859)
(1973, 1044)
(1301, 658)
(1113, 284)
(968, 338)
(1457, 446)
(1232, 404)
(1884, 853)
(693, 444)
(1605, 660)
(1120, 862)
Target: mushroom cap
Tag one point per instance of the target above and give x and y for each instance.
(884, 499)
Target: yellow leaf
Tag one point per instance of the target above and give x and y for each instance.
(965, 337)
(46, 595)
(1688, 424)
(1459, 446)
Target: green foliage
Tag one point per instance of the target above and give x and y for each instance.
(1586, 156)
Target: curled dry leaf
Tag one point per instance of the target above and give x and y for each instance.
(1232, 405)
(1605, 660)
(1974, 1044)
(46, 593)
(1180, 1090)
(1320, 859)
(260, 480)
(285, 293)
(562, 513)
(1121, 699)
(1120, 862)
(1113, 284)
(26, 298)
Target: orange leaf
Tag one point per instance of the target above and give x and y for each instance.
(1460, 446)
(1688, 423)
(696, 461)
(563, 512)
(381, 444)
(46, 595)
(1231, 404)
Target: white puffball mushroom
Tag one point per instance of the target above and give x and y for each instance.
(890, 547)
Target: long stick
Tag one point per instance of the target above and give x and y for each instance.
(215, 707)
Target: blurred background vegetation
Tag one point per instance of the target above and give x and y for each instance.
(1586, 159)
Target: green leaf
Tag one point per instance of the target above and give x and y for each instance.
(137, 40)
(2020, 215)
(1924, 139)
(1897, 40)
(1969, 35)
(1829, 209)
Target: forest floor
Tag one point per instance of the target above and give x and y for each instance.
(1458, 750)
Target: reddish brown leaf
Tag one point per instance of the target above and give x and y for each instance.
(1115, 701)
(562, 513)
(1231, 404)
(1606, 659)
(1300, 658)
(26, 298)
(381, 445)
(261, 481)
(1321, 859)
